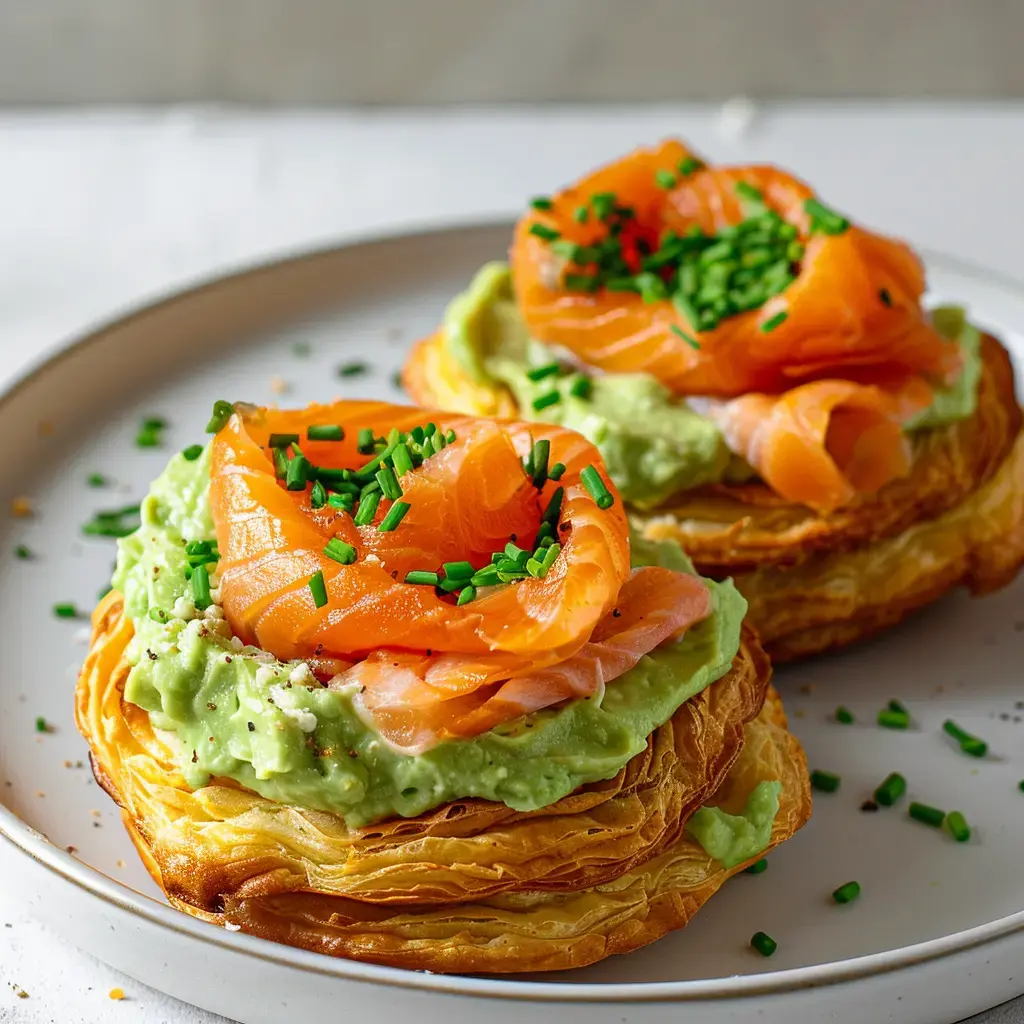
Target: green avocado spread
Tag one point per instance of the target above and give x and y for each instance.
(239, 713)
(654, 445)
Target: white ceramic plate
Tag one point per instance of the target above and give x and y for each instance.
(939, 930)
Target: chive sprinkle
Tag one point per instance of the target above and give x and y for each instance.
(422, 578)
(539, 460)
(466, 594)
(554, 506)
(847, 893)
(926, 814)
(757, 867)
(389, 484)
(844, 715)
(886, 298)
(340, 551)
(541, 203)
(282, 440)
(1020, 785)
(367, 508)
(591, 479)
(325, 432)
(280, 457)
(96, 480)
(747, 191)
(665, 179)
(688, 338)
(540, 372)
(556, 471)
(689, 165)
(192, 452)
(318, 496)
(891, 789)
(297, 475)
(222, 412)
(968, 744)
(582, 387)
(957, 825)
(542, 231)
(580, 214)
(545, 400)
(890, 718)
(395, 515)
(823, 219)
(23, 552)
(775, 321)
(346, 501)
(401, 460)
(353, 369)
(827, 782)
(65, 611)
(458, 570)
(42, 725)
(318, 588)
(201, 587)
(763, 943)
(364, 441)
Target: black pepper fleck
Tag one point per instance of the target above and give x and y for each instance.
(210, 706)
(195, 757)
(869, 805)
(252, 728)
(150, 655)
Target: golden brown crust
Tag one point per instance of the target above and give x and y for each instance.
(818, 582)
(456, 888)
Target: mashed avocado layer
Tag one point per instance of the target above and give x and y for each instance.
(239, 713)
(653, 443)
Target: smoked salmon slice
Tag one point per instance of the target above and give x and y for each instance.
(718, 281)
(429, 661)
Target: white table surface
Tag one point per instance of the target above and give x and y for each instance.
(101, 211)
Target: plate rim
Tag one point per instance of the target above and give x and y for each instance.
(26, 841)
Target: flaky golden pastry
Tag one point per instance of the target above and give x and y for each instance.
(472, 886)
(816, 582)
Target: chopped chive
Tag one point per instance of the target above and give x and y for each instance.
(539, 458)
(545, 400)
(844, 715)
(603, 204)
(301, 349)
(282, 440)
(192, 452)
(222, 412)
(367, 508)
(430, 429)
(580, 214)
(747, 191)
(541, 203)
(886, 298)
(540, 372)
(42, 725)
(297, 475)
(340, 551)
(582, 387)
(581, 282)
(466, 594)
(545, 233)
(450, 586)
(401, 460)
(895, 705)
(353, 369)
(763, 943)
(548, 560)
(591, 479)
(847, 893)
(389, 484)
(757, 867)
(325, 432)
(554, 506)
(823, 219)
(485, 577)
(665, 179)
(891, 719)
(200, 587)
(534, 567)
(688, 338)
(827, 782)
(65, 611)
(957, 825)
(346, 502)
(891, 789)
(421, 578)
(458, 570)
(23, 552)
(364, 441)
(450, 436)
(1020, 785)
(96, 480)
(280, 457)
(318, 588)
(775, 321)
(968, 744)
(395, 515)
(318, 495)
(689, 165)
(148, 438)
(926, 814)
(556, 471)
(513, 550)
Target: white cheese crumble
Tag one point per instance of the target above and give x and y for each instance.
(301, 675)
(184, 608)
(304, 719)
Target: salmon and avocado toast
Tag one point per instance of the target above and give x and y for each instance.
(765, 385)
(399, 685)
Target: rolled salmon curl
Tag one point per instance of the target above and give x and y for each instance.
(718, 281)
(819, 444)
(305, 577)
